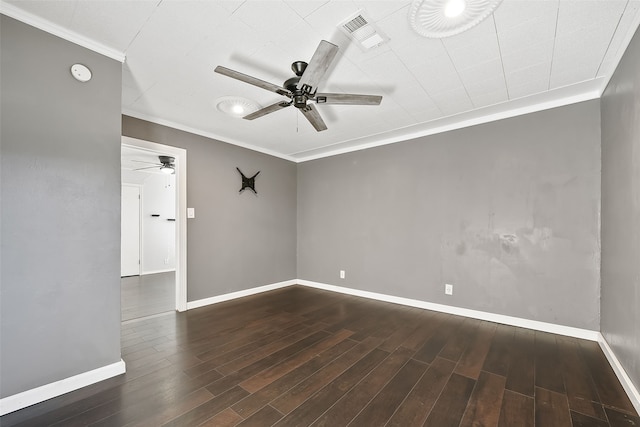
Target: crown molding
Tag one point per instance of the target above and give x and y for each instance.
(51, 28)
(178, 126)
(580, 92)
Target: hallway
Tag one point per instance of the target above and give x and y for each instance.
(147, 295)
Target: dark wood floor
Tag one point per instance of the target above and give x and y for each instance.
(143, 296)
(301, 357)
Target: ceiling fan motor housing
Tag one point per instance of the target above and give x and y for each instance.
(166, 160)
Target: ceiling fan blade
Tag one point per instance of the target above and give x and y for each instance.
(347, 99)
(311, 113)
(318, 66)
(149, 163)
(252, 80)
(150, 167)
(266, 110)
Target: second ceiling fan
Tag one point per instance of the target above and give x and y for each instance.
(303, 87)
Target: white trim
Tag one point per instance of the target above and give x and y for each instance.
(140, 206)
(168, 270)
(239, 294)
(625, 380)
(475, 314)
(180, 155)
(48, 391)
(57, 30)
(635, 25)
(178, 126)
(580, 92)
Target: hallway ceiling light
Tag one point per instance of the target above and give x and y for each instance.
(446, 18)
(167, 169)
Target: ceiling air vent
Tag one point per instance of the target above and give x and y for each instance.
(362, 31)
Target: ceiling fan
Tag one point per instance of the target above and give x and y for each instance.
(166, 165)
(303, 87)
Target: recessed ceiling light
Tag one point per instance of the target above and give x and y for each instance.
(236, 106)
(446, 18)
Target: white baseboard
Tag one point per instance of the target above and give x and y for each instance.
(475, 314)
(625, 380)
(168, 270)
(48, 391)
(238, 294)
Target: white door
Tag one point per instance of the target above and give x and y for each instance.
(130, 231)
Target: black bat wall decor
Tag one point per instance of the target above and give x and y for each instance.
(249, 183)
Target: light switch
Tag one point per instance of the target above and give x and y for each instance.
(191, 212)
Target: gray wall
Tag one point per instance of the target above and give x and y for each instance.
(236, 241)
(620, 309)
(507, 212)
(60, 223)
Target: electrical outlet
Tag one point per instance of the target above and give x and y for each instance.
(342, 274)
(166, 261)
(448, 289)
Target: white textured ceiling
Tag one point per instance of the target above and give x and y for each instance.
(528, 55)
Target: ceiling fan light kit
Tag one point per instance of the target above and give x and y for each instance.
(302, 89)
(446, 18)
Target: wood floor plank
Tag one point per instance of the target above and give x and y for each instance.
(236, 378)
(436, 342)
(385, 403)
(178, 407)
(247, 407)
(272, 347)
(264, 417)
(581, 420)
(420, 400)
(621, 419)
(202, 413)
(483, 408)
(451, 404)
(349, 405)
(499, 356)
(516, 410)
(548, 370)
(581, 391)
(276, 371)
(606, 382)
(293, 398)
(226, 418)
(457, 344)
(471, 362)
(314, 406)
(552, 409)
(521, 375)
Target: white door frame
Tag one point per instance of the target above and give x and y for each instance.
(139, 187)
(180, 155)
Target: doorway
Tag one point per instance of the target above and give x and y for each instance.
(165, 264)
(130, 231)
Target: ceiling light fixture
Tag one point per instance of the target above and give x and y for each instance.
(167, 169)
(235, 106)
(446, 18)
(454, 8)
